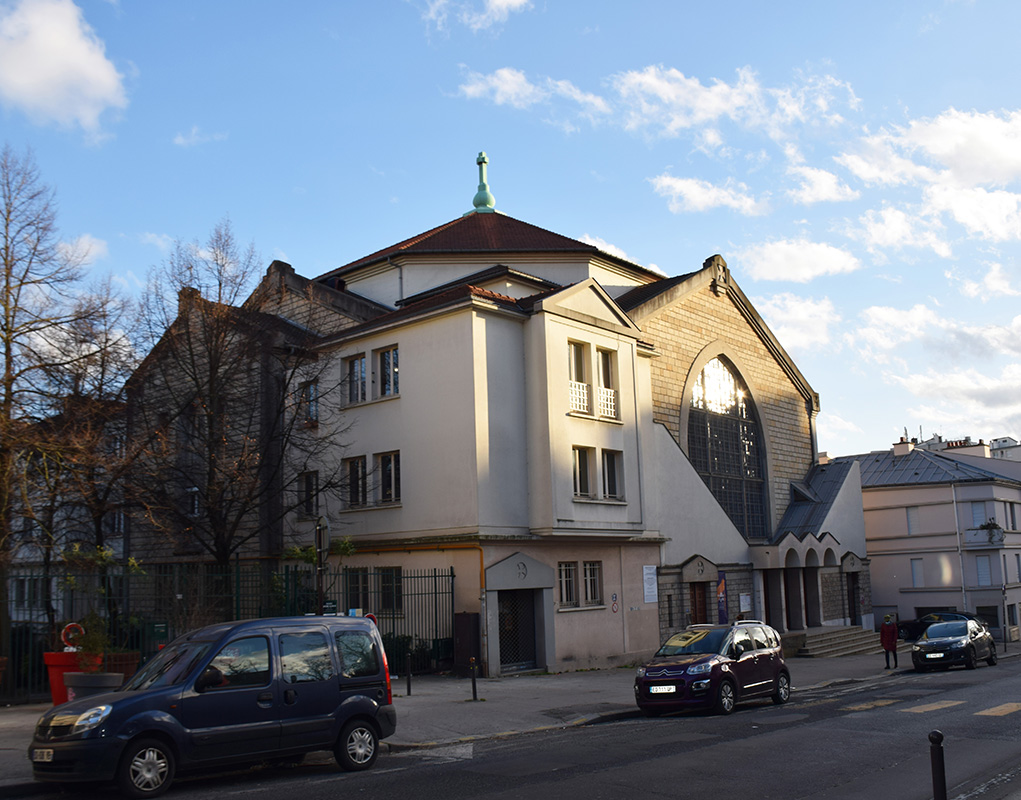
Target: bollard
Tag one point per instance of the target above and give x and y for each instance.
(939, 773)
(474, 668)
(409, 674)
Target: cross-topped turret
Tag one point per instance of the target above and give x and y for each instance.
(484, 201)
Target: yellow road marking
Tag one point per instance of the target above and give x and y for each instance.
(999, 711)
(867, 706)
(933, 706)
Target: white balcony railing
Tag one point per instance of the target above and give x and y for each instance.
(580, 397)
(607, 402)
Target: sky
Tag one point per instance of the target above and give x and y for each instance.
(857, 164)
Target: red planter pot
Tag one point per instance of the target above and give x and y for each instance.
(59, 663)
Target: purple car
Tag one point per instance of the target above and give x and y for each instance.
(714, 666)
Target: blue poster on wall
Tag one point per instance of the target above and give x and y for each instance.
(721, 599)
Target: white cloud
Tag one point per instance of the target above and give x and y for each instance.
(693, 194)
(966, 399)
(797, 260)
(886, 328)
(800, 323)
(878, 162)
(87, 248)
(995, 283)
(505, 86)
(992, 215)
(974, 148)
(819, 186)
(195, 137)
(54, 68)
(892, 228)
(161, 241)
(491, 13)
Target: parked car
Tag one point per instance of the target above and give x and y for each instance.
(238, 692)
(911, 629)
(960, 641)
(714, 666)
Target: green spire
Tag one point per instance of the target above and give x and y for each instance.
(484, 201)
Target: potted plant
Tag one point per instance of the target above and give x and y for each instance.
(90, 678)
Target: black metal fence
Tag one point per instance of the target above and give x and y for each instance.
(140, 611)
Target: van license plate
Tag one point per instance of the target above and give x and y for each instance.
(662, 689)
(42, 755)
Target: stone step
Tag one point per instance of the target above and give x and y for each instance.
(832, 642)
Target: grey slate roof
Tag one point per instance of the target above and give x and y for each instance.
(883, 468)
(807, 513)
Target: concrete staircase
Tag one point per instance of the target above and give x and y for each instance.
(834, 641)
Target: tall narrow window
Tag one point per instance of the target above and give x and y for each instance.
(308, 493)
(357, 582)
(582, 472)
(308, 409)
(355, 483)
(567, 578)
(578, 373)
(607, 395)
(391, 590)
(593, 578)
(355, 378)
(191, 501)
(389, 477)
(917, 573)
(389, 371)
(982, 567)
(978, 514)
(912, 512)
(613, 484)
(725, 446)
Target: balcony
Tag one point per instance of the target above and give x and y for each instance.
(983, 538)
(607, 399)
(580, 398)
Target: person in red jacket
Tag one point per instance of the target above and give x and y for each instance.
(888, 639)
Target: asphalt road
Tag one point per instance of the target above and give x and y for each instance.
(857, 742)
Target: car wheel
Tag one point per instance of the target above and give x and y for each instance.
(991, 661)
(146, 769)
(725, 698)
(357, 746)
(783, 689)
(970, 661)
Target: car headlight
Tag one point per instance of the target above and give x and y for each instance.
(916, 649)
(698, 669)
(91, 719)
(640, 672)
(958, 645)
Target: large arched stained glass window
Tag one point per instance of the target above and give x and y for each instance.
(725, 446)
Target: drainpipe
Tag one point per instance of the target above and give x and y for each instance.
(960, 548)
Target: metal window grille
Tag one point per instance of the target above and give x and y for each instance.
(580, 397)
(567, 572)
(593, 575)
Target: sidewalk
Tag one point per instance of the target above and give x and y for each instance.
(440, 708)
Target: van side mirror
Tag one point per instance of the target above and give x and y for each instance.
(209, 678)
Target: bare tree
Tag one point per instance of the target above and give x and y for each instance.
(226, 406)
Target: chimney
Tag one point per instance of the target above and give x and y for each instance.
(903, 447)
(186, 297)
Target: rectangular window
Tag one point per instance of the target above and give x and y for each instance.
(355, 482)
(388, 374)
(983, 568)
(607, 395)
(978, 514)
(389, 477)
(567, 577)
(1012, 614)
(354, 376)
(917, 573)
(593, 576)
(191, 501)
(308, 493)
(613, 483)
(357, 581)
(116, 522)
(391, 594)
(582, 472)
(1017, 560)
(308, 403)
(578, 373)
(1013, 516)
(912, 520)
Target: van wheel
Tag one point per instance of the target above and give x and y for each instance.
(783, 689)
(357, 746)
(146, 769)
(725, 698)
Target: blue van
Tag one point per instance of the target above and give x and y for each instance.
(258, 690)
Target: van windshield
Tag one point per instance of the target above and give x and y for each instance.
(169, 667)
